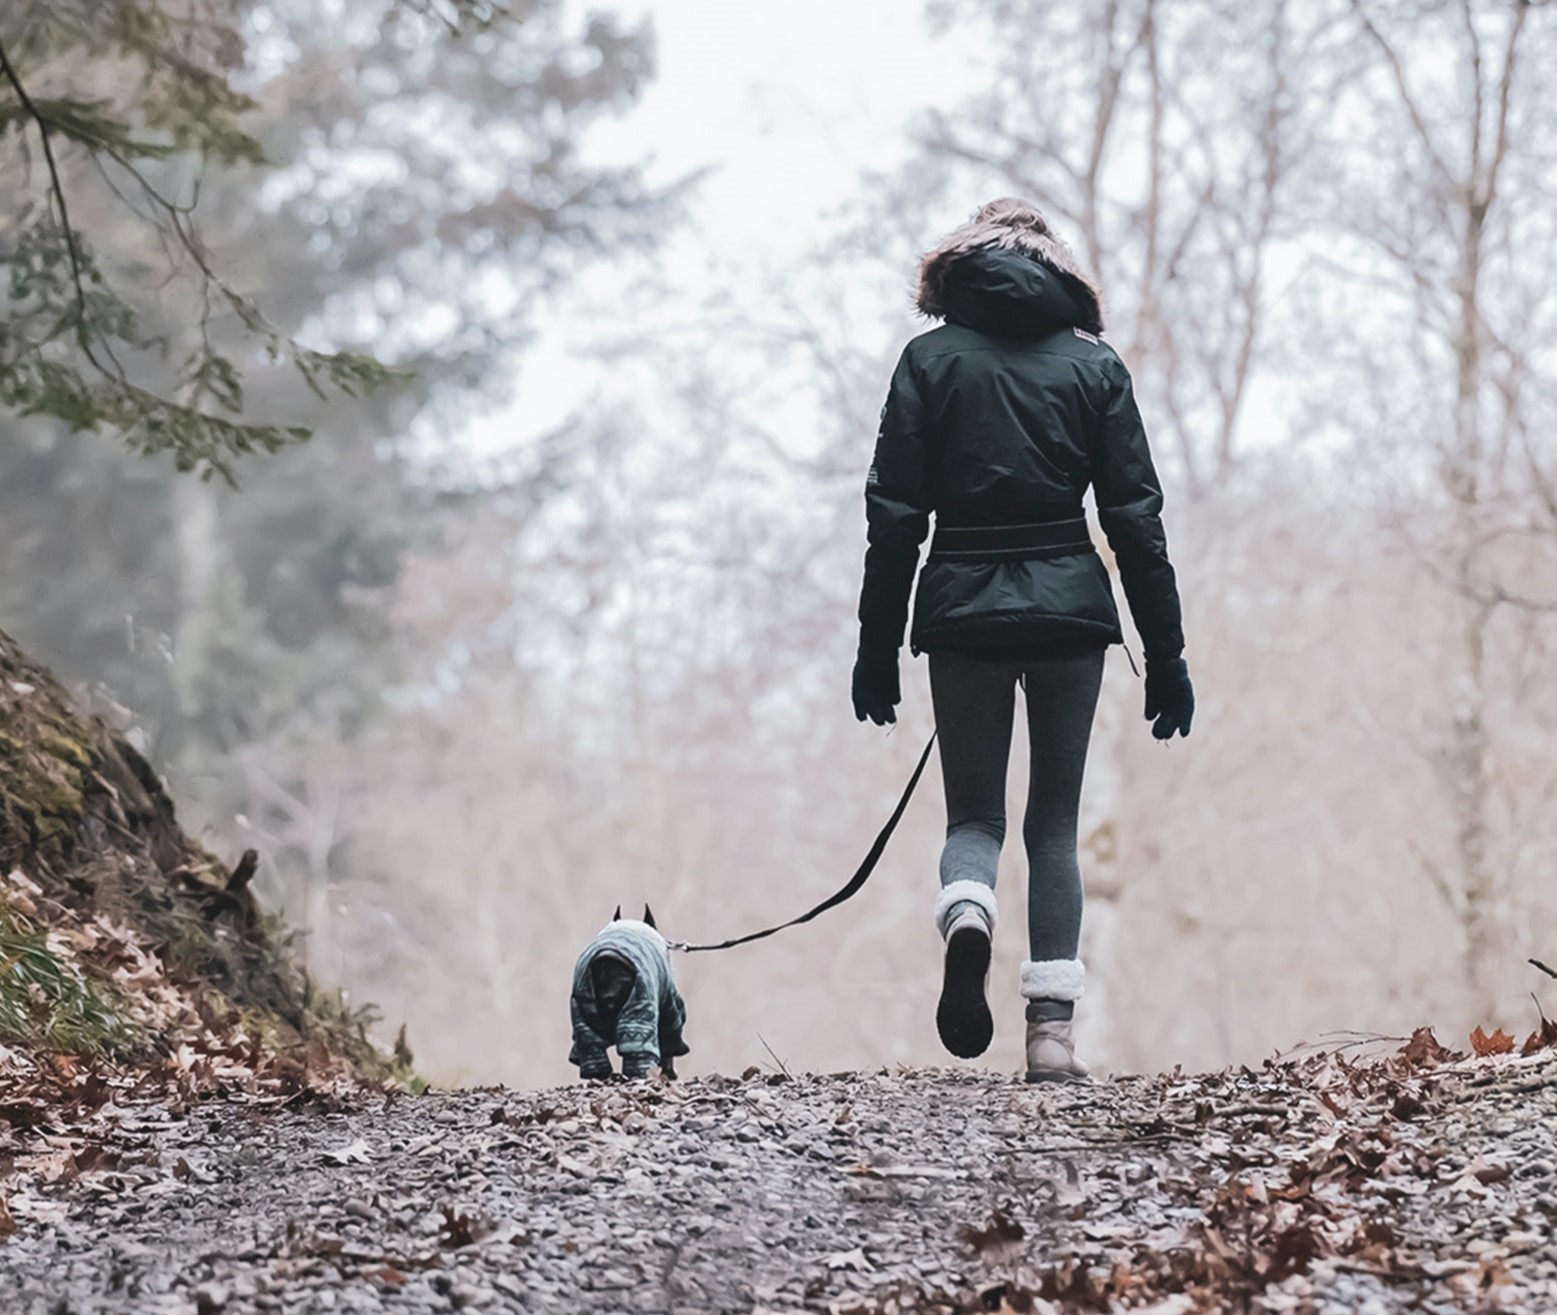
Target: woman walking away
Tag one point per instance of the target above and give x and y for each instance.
(997, 422)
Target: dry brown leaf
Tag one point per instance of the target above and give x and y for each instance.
(1545, 1038)
(386, 1274)
(459, 1229)
(1425, 1049)
(95, 1157)
(1406, 1106)
(1007, 1299)
(1292, 1251)
(998, 1234)
(1499, 1043)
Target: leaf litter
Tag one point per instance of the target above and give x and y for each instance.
(1417, 1179)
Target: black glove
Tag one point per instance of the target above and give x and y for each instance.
(876, 691)
(1170, 698)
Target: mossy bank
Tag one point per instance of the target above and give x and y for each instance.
(119, 935)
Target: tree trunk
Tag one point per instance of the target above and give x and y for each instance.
(1468, 766)
(201, 557)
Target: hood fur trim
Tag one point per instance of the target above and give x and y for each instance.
(1053, 979)
(1016, 226)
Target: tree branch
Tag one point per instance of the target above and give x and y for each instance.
(1505, 90)
(55, 185)
(1392, 57)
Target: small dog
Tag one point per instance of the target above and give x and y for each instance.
(624, 995)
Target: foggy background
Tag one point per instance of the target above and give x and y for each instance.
(569, 621)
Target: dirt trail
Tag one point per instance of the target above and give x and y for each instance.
(1408, 1184)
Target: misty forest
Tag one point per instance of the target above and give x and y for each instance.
(439, 445)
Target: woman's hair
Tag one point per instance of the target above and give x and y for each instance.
(1013, 212)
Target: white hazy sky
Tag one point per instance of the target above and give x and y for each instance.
(789, 101)
(788, 104)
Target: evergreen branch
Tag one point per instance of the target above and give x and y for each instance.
(55, 185)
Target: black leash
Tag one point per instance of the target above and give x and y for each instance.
(861, 874)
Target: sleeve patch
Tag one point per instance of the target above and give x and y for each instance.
(872, 478)
(1084, 335)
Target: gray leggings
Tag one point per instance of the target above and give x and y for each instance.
(975, 699)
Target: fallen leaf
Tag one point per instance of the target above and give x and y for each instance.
(355, 1153)
(460, 1229)
(997, 1235)
(1425, 1049)
(1011, 1299)
(95, 1156)
(1180, 1303)
(855, 1259)
(1499, 1043)
(1294, 1249)
(1544, 1039)
(1406, 1106)
(386, 1274)
(904, 1171)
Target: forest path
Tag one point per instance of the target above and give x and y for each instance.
(1397, 1184)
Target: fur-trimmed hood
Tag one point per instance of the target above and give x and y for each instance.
(971, 274)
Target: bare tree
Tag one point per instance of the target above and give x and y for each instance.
(1444, 214)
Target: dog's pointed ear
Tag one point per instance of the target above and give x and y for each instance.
(648, 915)
(617, 916)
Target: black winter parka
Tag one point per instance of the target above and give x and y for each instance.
(1004, 416)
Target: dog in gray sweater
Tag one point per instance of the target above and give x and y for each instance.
(625, 996)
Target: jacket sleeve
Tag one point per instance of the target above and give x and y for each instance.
(897, 512)
(1129, 506)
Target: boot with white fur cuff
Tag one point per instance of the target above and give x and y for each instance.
(965, 915)
(1051, 1043)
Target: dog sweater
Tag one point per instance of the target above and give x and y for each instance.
(652, 1016)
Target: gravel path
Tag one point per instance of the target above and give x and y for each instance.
(1320, 1186)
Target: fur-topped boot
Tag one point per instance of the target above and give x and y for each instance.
(1051, 987)
(965, 916)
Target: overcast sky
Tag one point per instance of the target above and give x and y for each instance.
(788, 104)
(790, 101)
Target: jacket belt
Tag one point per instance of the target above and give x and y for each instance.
(989, 543)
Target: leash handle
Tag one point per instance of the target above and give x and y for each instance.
(848, 891)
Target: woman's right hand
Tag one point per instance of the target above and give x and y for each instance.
(1170, 698)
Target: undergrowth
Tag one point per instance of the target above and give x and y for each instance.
(46, 1001)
